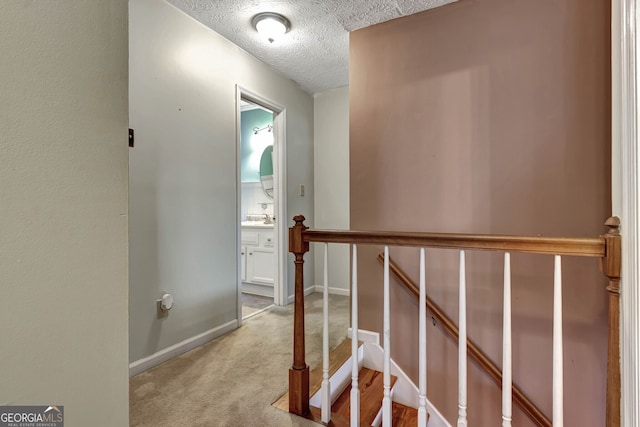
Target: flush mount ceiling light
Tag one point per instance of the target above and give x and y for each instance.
(271, 25)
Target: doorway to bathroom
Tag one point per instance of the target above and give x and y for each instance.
(260, 204)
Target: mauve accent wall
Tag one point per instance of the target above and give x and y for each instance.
(488, 116)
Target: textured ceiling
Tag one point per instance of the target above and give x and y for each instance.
(315, 53)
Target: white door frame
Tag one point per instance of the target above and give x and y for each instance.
(625, 194)
(279, 196)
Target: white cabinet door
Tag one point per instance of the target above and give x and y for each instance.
(260, 265)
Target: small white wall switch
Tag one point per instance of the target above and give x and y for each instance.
(302, 190)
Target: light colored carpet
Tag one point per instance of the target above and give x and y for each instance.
(252, 304)
(232, 381)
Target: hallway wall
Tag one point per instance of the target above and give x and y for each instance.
(63, 208)
(183, 190)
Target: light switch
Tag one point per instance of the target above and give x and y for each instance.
(302, 190)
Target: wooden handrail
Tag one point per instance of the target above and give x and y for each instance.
(606, 247)
(566, 246)
(450, 328)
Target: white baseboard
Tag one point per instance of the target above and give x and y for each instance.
(307, 291)
(182, 347)
(319, 288)
(257, 289)
(365, 336)
(334, 291)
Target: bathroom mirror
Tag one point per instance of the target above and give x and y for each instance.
(266, 171)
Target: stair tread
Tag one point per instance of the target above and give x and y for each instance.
(371, 387)
(402, 415)
(337, 420)
(371, 393)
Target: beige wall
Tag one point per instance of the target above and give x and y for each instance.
(63, 208)
(490, 117)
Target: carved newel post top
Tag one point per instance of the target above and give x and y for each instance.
(299, 220)
(297, 245)
(613, 223)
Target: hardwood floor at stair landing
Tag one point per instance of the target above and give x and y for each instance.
(371, 393)
(402, 415)
(371, 387)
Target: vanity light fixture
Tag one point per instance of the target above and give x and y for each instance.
(257, 129)
(271, 25)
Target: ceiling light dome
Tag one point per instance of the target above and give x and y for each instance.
(271, 25)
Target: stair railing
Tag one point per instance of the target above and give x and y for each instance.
(607, 248)
(474, 352)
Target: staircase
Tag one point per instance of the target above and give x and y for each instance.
(334, 396)
(370, 384)
(371, 393)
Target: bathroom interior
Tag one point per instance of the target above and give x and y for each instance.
(258, 259)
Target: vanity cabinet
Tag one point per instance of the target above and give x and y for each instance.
(257, 261)
(259, 266)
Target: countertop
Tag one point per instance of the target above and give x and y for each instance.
(256, 224)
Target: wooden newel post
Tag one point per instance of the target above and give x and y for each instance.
(610, 266)
(299, 371)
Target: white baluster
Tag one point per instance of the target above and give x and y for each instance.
(355, 392)
(462, 347)
(558, 386)
(506, 344)
(422, 351)
(386, 372)
(326, 385)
